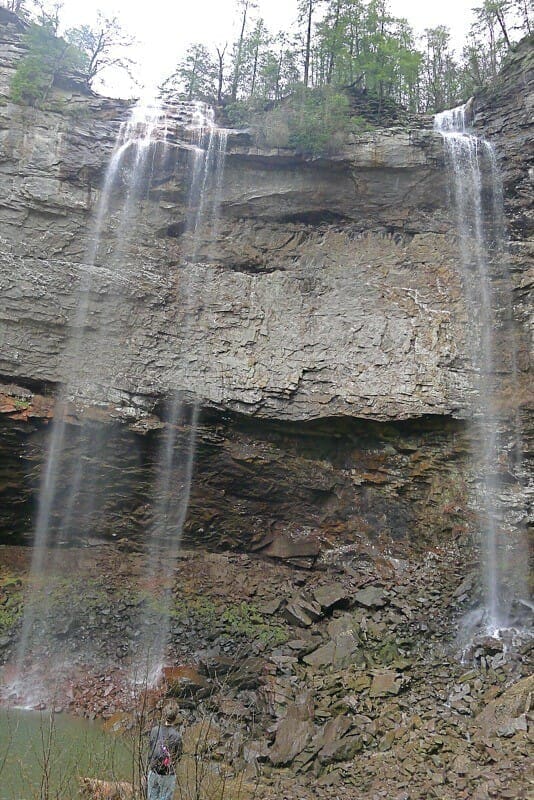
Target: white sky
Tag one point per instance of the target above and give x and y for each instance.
(164, 28)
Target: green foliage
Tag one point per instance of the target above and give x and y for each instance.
(10, 613)
(441, 75)
(47, 57)
(246, 620)
(194, 77)
(11, 596)
(318, 121)
(242, 113)
(102, 46)
(241, 620)
(21, 405)
(199, 609)
(314, 122)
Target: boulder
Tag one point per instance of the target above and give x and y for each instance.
(343, 750)
(370, 597)
(302, 612)
(385, 684)
(294, 732)
(337, 652)
(185, 683)
(507, 714)
(331, 595)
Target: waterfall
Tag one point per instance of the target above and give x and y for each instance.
(175, 467)
(76, 476)
(477, 201)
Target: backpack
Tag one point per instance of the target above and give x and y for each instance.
(160, 760)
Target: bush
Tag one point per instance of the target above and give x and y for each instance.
(314, 122)
(319, 121)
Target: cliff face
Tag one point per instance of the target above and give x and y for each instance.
(328, 289)
(331, 290)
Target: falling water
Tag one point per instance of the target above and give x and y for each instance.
(77, 473)
(175, 469)
(71, 488)
(476, 191)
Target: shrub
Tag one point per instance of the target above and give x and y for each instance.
(319, 121)
(314, 122)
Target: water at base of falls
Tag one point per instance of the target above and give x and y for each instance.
(61, 630)
(477, 202)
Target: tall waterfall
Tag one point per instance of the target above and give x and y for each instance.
(175, 468)
(73, 487)
(477, 200)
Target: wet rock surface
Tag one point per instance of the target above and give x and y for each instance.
(290, 492)
(327, 659)
(331, 288)
(402, 715)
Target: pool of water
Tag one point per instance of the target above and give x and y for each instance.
(42, 756)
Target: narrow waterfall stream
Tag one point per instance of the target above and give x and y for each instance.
(73, 485)
(175, 466)
(477, 201)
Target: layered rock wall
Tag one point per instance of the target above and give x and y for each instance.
(330, 289)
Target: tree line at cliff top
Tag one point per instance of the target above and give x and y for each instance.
(338, 46)
(352, 43)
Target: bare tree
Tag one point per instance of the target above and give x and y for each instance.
(246, 6)
(306, 9)
(103, 44)
(220, 72)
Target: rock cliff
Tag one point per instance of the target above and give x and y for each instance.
(323, 332)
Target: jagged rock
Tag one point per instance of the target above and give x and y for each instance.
(385, 683)
(302, 612)
(345, 623)
(248, 674)
(370, 597)
(506, 714)
(343, 750)
(185, 682)
(229, 707)
(326, 738)
(294, 732)
(303, 646)
(216, 666)
(331, 595)
(338, 652)
(256, 751)
(272, 607)
(293, 545)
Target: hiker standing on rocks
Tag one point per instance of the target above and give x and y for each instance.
(164, 749)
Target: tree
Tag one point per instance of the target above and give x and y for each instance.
(220, 72)
(47, 57)
(362, 44)
(318, 119)
(442, 74)
(306, 9)
(195, 76)
(17, 6)
(523, 7)
(246, 6)
(477, 65)
(279, 71)
(257, 45)
(498, 10)
(103, 45)
(47, 14)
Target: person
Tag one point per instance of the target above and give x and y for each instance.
(164, 750)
